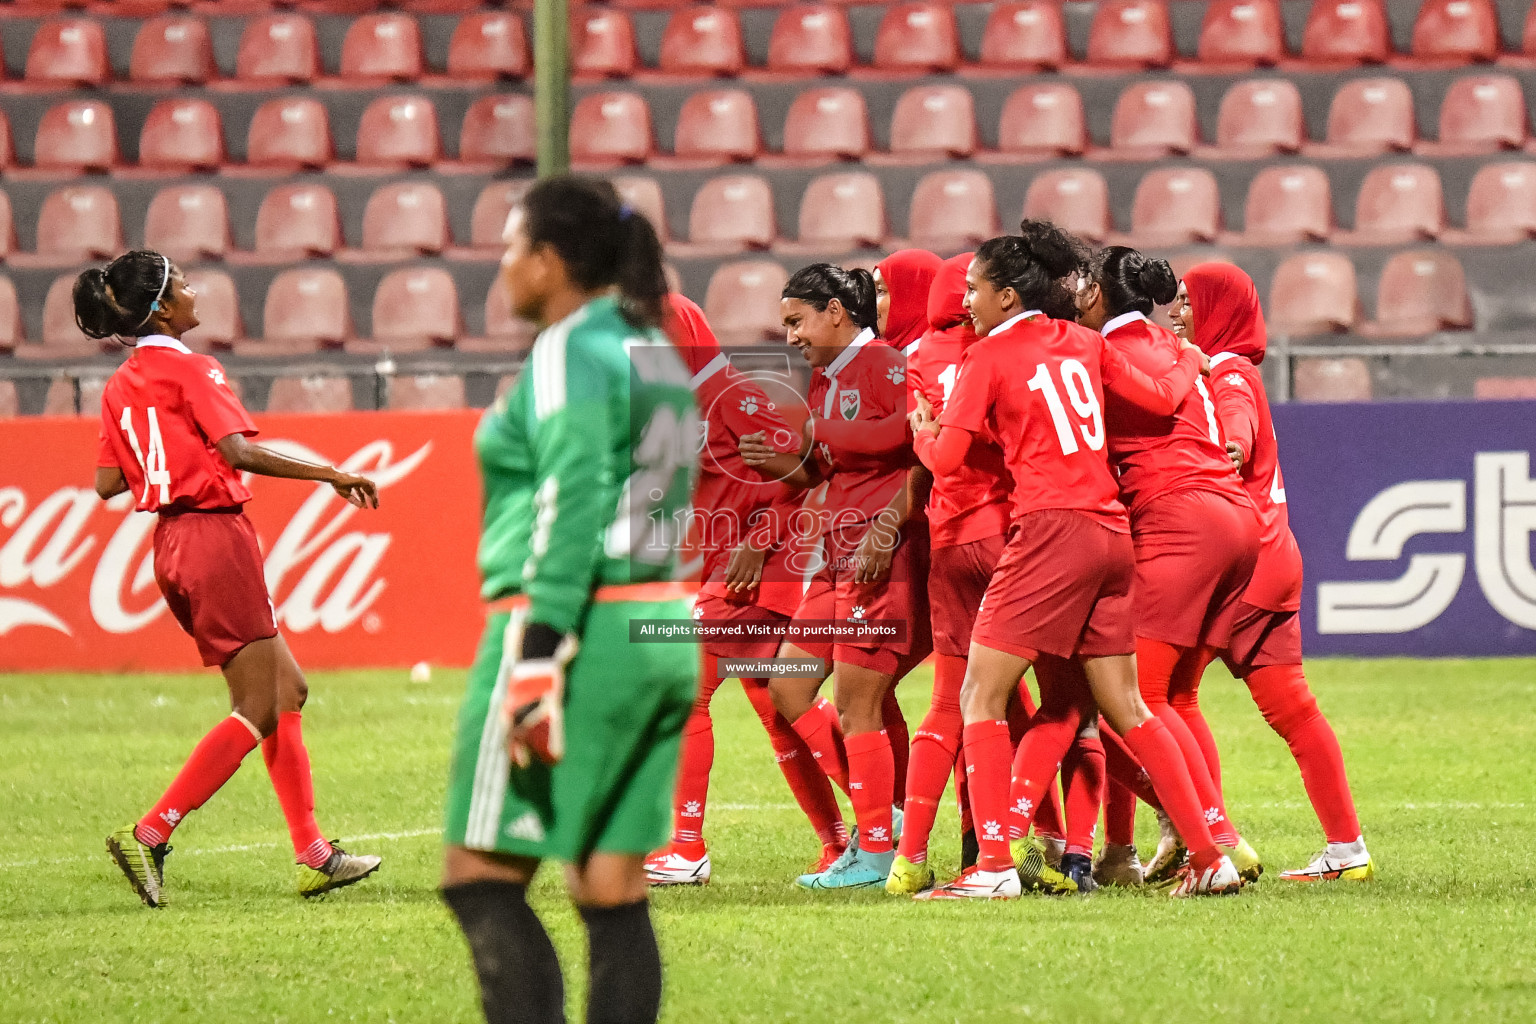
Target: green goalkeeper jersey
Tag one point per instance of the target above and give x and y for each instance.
(587, 463)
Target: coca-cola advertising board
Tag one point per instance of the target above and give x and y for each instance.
(352, 588)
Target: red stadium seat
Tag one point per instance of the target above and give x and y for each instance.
(398, 131)
(932, 122)
(603, 44)
(1421, 292)
(952, 210)
(917, 38)
(1480, 114)
(1259, 119)
(810, 39)
(70, 51)
(498, 131)
(1286, 205)
(716, 127)
(426, 392)
(1501, 205)
(1174, 206)
(290, 134)
(62, 337)
(1130, 34)
(1040, 122)
(10, 317)
(1398, 203)
(1346, 32)
(1455, 32)
(174, 49)
(1313, 293)
(188, 223)
(1024, 35)
(382, 48)
(297, 222)
(74, 225)
(1241, 34)
(840, 212)
(306, 309)
(79, 135)
(824, 125)
(415, 308)
(1152, 120)
(489, 45)
(7, 227)
(504, 332)
(404, 220)
(489, 217)
(702, 41)
(7, 144)
(742, 302)
(1369, 116)
(10, 401)
(1504, 388)
(312, 394)
(731, 213)
(1077, 199)
(182, 135)
(218, 311)
(278, 48)
(1332, 380)
(609, 129)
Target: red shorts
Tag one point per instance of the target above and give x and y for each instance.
(1195, 552)
(1261, 638)
(957, 579)
(761, 645)
(1062, 587)
(901, 596)
(209, 568)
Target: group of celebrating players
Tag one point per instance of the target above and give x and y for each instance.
(1018, 466)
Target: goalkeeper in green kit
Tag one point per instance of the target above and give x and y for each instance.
(568, 737)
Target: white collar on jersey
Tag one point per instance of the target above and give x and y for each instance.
(1000, 328)
(845, 357)
(1221, 357)
(1120, 321)
(711, 368)
(162, 341)
(911, 350)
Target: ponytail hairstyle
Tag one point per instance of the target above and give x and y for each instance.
(820, 283)
(1130, 281)
(602, 241)
(1036, 263)
(119, 299)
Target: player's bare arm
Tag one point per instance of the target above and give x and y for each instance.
(242, 455)
(110, 482)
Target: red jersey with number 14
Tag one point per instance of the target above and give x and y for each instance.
(162, 415)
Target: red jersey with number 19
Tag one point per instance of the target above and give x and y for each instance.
(162, 415)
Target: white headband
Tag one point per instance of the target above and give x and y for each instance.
(165, 279)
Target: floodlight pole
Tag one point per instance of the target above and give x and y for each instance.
(552, 84)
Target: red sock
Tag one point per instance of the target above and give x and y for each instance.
(871, 785)
(1119, 815)
(288, 767)
(1155, 665)
(1082, 777)
(1288, 706)
(1048, 816)
(1157, 750)
(821, 732)
(901, 741)
(1035, 767)
(933, 758)
(810, 787)
(986, 773)
(963, 794)
(214, 759)
(1123, 767)
(1184, 698)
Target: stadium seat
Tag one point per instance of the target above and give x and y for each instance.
(1480, 114)
(10, 317)
(932, 122)
(1241, 34)
(1153, 120)
(489, 45)
(426, 392)
(181, 136)
(305, 309)
(7, 144)
(825, 125)
(917, 38)
(1313, 293)
(1041, 122)
(840, 212)
(603, 44)
(62, 337)
(1368, 116)
(1397, 203)
(1501, 205)
(1331, 380)
(61, 399)
(314, 394)
(702, 41)
(609, 129)
(1346, 33)
(1286, 205)
(74, 225)
(742, 302)
(1024, 35)
(1504, 388)
(644, 196)
(1175, 206)
(7, 227)
(715, 127)
(218, 312)
(729, 214)
(498, 132)
(278, 48)
(952, 211)
(1130, 34)
(10, 401)
(504, 332)
(1258, 119)
(414, 309)
(288, 135)
(489, 217)
(381, 48)
(68, 51)
(401, 221)
(1077, 199)
(188, 223)
(1420, 292)
(1456, 32)
(810, 39)
(296, 222)
(174, 49)
(79, 135)
(398, 132)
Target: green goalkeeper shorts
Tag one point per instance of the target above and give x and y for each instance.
(625, 707)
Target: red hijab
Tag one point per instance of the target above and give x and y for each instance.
(1227, 313)
(946, 297)
(690, 332)
(908, 274)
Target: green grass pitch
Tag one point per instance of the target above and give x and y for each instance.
(1440, 754)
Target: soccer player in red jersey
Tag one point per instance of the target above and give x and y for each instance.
(1195, 530)
(174, 435)
(744, 516)
(1218, 309)
(1062, 588)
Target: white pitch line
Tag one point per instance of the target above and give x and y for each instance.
(233, 848)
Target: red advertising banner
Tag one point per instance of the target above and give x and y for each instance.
(352, 588)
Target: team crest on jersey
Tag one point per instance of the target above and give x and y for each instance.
(848, 404)
(896, 374)
(703, 434)
(1234, 379)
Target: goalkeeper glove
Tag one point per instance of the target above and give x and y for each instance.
(534, 706)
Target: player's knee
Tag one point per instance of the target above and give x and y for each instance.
(261, 714)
